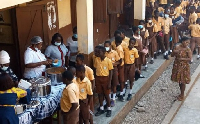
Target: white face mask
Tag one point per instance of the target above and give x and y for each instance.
(107, 48)
(36, 49)
(57, 44)
(149, 21)
(166, 16)
(4, 68)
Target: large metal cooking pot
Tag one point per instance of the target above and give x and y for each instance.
(42, 87)
(55, 74)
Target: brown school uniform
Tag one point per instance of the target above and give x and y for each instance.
(141, 59)
(102, 75)
(145, 34)
(195, 33)
(193, 18)
(167, 25)
(120, 52)
(130, 56)
(114, 57)
(70, 95)
(152, 42)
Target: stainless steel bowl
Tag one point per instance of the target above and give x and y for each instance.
(41, 86)
(55, 74)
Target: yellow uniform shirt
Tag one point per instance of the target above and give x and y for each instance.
(163, 1)
(160, 9)
(130, 55)
(20, 92)
(158, 23)
(148, 1)
(123, 44)
(146, 33)
(113, 56)
(184, 4)
(120, 52)
(126, 40)
(195, 30)
(178, 10)
(167, 24)
(70, 95)
(198, 14)
(85, 88)
(89, 73)
(193, 18)
(103, 66)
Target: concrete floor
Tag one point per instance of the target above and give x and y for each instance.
(189, 113)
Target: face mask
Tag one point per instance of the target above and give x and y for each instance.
(75, 35)
(140, 26)
(36, 49)
(139, 32)
(166, 16)
(57, 44)
(107, 48)
(149, 21)
(4, 68)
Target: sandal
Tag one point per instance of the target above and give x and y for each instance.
(180, 98)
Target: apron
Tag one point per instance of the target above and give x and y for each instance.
(7, 114)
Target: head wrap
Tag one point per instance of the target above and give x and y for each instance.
(36, 40)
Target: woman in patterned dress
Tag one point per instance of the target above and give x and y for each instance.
(181, 67)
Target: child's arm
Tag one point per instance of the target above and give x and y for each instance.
(73, 108)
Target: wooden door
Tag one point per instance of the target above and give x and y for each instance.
(115, 6)
(31, 21)
(73, 13)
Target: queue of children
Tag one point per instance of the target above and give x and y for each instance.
(116, 63)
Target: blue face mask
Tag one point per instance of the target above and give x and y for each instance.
(140, 26)
(75, 35)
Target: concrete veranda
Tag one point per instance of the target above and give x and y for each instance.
(189, 112)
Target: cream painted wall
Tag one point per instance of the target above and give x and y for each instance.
(9, 3)
(139, 9)
(64, 13)
(85, 25)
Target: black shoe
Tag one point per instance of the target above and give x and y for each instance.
(124, 94)
(166, 57)
(194, 52)
(169, 53)
(129, 97)
(145, 68)
(100, 112)
(126, 86)
(141, 76)
(121, 98)
(155, 56)
(151, 61)
(108, 114)
(105, 107)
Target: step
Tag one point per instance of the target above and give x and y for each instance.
(140, 87)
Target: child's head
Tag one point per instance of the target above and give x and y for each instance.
(80, 59)
(102, 51)
(192, 9)
(67, 77)
(167, 7)
(136, 30)
(107, 45)
(149, 19)
(177, 3)
(80, 71)
(167, 11)
(118, 40)
(141, 24)
(172, 9)
(156, 4)
(72, 70)
(122, 33)
(132, 42)
(198, 9)
(166, 14)
(96, 51)
(198, 21)
(156, 13)
(117, 33)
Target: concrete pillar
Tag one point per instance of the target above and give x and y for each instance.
(139, 9)
(85, 26)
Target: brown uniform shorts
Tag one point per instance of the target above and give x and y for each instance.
(115, 80)
(72, 118)
(84, 110)
(121, 74)
(102, 85)
(129, 72)
(196, 40)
